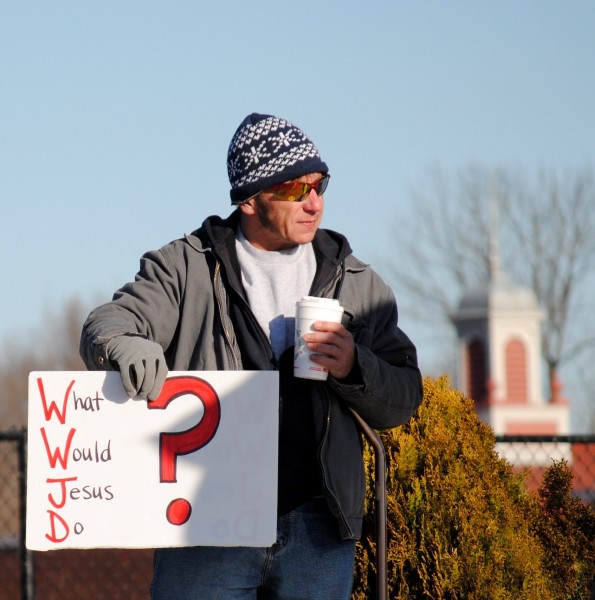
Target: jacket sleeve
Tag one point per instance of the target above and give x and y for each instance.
(390, 386)
(147, 307)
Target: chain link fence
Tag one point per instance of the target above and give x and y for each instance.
(112, 574)
(13, 558)
(532, 455)
(126, 574)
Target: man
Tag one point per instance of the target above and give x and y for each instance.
(224, 298)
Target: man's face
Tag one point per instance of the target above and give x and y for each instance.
(272, 224)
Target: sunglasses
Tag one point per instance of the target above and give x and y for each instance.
(295, 191)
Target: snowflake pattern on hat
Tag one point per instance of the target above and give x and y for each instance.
(265, 151)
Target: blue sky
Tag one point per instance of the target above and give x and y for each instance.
(115, 118)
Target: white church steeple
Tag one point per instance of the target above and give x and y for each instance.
(498, 327)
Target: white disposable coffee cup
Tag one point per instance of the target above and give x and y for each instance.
(307, 311)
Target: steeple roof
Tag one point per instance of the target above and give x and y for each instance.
(499, 294)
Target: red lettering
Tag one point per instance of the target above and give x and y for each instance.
(56, 455)
(62, 483)
(53, 408)
(53, 537)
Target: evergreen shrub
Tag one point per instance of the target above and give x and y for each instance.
(462, 524)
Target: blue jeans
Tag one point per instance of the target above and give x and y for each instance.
(309, 561)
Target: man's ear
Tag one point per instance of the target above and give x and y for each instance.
(248, 207)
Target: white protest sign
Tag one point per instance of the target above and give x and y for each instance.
(196, 467)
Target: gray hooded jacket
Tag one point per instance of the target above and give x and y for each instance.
(187, 297)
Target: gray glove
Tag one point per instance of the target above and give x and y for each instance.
(141, 363)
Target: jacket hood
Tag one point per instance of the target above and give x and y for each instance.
(218, 233)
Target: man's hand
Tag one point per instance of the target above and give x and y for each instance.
(333, 348)
(141, 363)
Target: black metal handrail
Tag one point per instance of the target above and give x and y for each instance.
(380, 505)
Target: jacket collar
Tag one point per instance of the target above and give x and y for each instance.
(218, 234)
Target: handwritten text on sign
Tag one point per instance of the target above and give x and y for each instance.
(198, 466)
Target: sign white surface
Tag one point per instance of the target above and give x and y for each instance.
(196, 467)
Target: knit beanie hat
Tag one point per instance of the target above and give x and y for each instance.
(266, 151)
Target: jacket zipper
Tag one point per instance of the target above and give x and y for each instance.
(338, 510)
(232, 355)
(325, 292)
(237, 361)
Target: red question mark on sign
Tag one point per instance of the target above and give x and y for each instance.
(172, 445)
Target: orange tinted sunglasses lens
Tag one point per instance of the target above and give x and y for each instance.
(294, 191)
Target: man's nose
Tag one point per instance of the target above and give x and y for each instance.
(312, 202)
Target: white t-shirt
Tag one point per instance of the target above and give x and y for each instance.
(274, 281)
